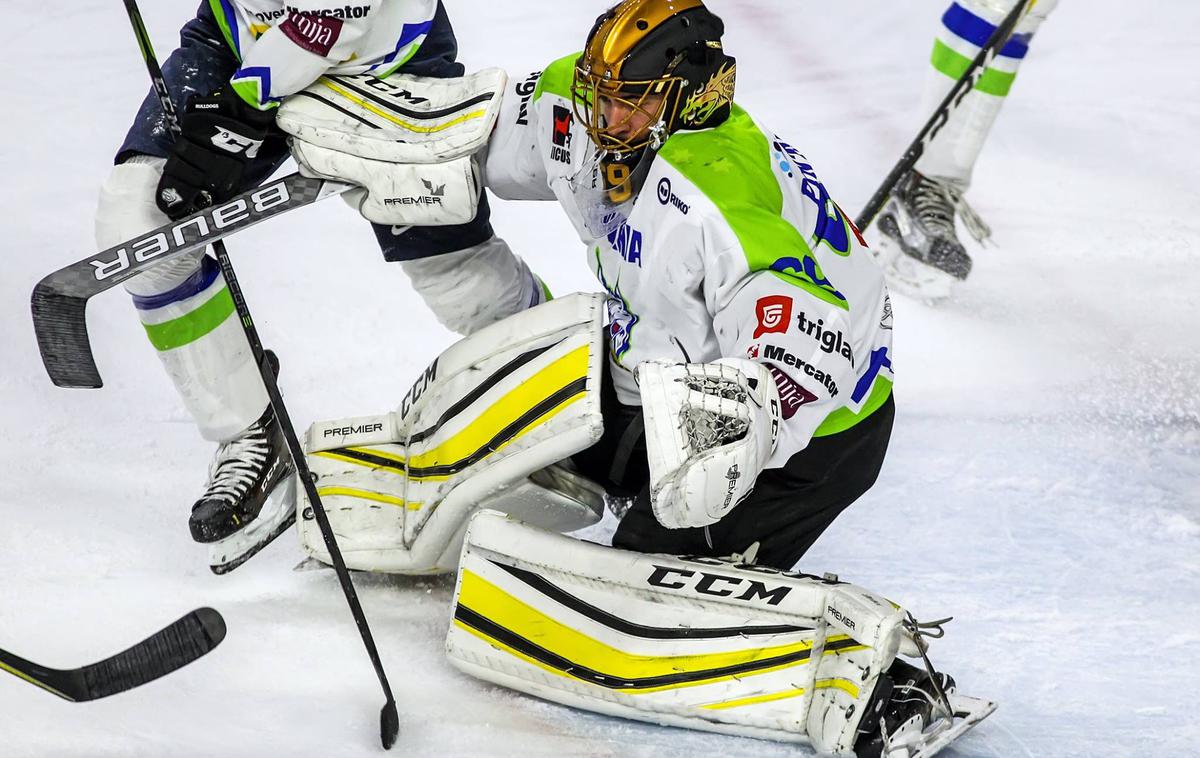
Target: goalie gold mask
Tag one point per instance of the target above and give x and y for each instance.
(649, 69)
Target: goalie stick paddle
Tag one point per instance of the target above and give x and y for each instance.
(169, 649)
(389, 718)
(941, 115)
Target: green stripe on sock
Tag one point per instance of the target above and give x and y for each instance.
(844, 418)
(953, 64)
(187, 329)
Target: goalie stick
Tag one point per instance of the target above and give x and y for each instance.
(169, 649)
(941, 115)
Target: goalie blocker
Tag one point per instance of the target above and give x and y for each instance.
(699, 643)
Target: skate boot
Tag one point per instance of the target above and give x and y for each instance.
(250, 498)
(920, 250)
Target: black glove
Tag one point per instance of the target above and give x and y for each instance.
(221, 135)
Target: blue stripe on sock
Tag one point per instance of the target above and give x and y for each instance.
(976, 30)
(199, 281)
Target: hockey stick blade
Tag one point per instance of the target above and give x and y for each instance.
(169, 649)
(60, 299)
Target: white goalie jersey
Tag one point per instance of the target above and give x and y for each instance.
(733, 248)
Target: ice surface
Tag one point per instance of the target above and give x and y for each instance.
(1043, 484)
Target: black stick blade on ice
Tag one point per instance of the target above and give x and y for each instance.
(169, 649)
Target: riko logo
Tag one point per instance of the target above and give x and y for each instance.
(774, 315)
(667, 197)
(561, 135)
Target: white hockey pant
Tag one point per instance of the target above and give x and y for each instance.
(963, 29)
(471, 288)
(186, 309)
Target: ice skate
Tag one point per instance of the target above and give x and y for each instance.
(908, 717)
(250, 498)
(918, 246)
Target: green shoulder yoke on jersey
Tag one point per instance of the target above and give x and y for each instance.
(556, 79)
(731, 164)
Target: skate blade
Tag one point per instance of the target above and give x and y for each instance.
(908, 276)
(968, 711)
(277, 514)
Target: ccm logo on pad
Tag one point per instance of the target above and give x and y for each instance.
(774, 315)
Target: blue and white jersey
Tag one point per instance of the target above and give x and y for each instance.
(284, 47)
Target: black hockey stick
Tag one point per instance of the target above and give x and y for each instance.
(389, 719)
(941, 115)
(171, 648)
(60, 299)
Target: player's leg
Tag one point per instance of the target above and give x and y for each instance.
(186, 307)
(919, 220)
(466, 275)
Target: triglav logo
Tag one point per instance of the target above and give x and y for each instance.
(831, 341)
(774, 314)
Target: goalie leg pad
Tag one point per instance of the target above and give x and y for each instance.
(477, 427)
(702, 644)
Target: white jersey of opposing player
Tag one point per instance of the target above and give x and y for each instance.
(284, 47)
(732, 248)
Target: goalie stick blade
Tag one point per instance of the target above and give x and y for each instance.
(59, 300)
(169, 649)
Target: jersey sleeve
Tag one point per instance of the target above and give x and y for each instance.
(312, 38)
(529, 117)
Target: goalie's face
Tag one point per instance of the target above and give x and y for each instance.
(624, 117)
